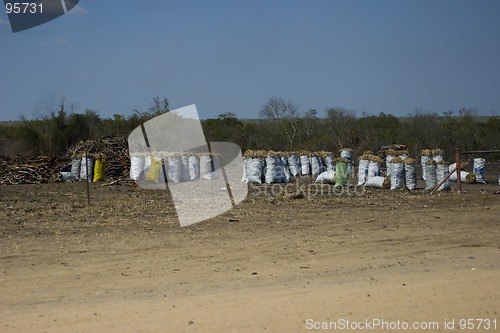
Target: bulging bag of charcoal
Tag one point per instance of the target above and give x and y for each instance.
(410, 173)
(363, 169)
(87, 174)
(294, 165)
(426, 155)
(305, 169)
(75, 167)
(137, 164)
(397, 174)
(442, 170)
(479, 170)
(431, 177)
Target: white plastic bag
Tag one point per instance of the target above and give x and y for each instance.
(431, 177)
(286, 170)
(328, 160)
(136, 167)
(75, 167)
(185, 168)
(294, 165)
(441, 173)
(376, 182)
(315, 166)
(423, 163)
(397, 176)
(273, 170)
(388, 159)
(205, 167)
(253, 167)
(174, 171)
(347, 154)
(479, 170)
(373, 169)
(194, 167)
(410, 175)
(326, 177)
(363, 171)
(87, 161)
(304, 165)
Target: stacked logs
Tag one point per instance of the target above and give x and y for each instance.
(113, 149)
(44, 169)
(31, 170)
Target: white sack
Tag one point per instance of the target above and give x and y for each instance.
(174, 171)
(397, 176)
(423, 163)
(388, 164)
(273, 170)
(363, 171)
(315, 166)
(253, 167)
(83, 168)
(328, 160)
(373, 169)
(194, 167)
(441, 173)
(75, 167)
(375, 182)
(304, 165)
(287, 176)
(294, 165)
(479, 170)
(326, 177)
(137, 167)
(347, 154)
(431, 177)
(410, 176)
(185, 168)
(205, 167)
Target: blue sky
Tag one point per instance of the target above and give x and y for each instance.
(232, 56)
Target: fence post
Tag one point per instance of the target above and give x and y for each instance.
(457, 161)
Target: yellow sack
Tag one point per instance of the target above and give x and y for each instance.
(154, 170)
(99, 169)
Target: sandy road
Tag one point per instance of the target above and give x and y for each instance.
(272, 265)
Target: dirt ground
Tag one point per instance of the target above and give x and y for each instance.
(273, 264)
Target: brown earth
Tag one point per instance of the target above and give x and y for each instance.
(273, 264)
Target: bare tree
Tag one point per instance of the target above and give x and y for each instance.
(341, 123)
(159, 106)
(285, 114)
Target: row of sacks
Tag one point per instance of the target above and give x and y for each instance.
(177, 167)
(402, 174)
(86, 168)
(401, 171)
(269, 167)
(436, 155)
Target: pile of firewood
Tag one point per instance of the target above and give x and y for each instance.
(113, 149)
(44, 169)
(31, 170)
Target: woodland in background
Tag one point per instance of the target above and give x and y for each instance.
(281, 127)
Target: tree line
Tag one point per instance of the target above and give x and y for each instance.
(281, 126)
